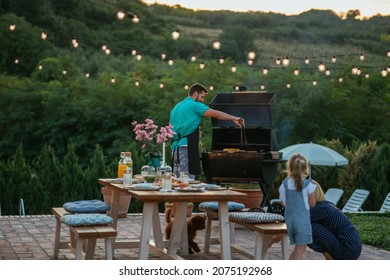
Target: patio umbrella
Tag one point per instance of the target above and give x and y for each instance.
(315, 154)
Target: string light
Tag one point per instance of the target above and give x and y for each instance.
(64, 72)
(327, 72)
(314, 82)
(321, 67)
(135, 19)
(16, 61)
(221, 60)
(12, 27)
(384, 73)
(163, 55)
(251, 55)
(186, 87)
(170, 62)
(136, 83)
(104, 47)
(87, 75)
(361, 57)
(43, 36)
(138, 57)
(113, 80)
(278, 61)
(288, 85)
(161, 85)
(355, 70)
(107, 51)
(265, 71)
(388, 53)
(202, 65)
(40, 67)
(211, 88)
(341, 80)
(250, 62)
(216, 45)
(193, 58)
(307, 61)
(234, 69)
(366, 75)
(262, 87)
(333, 59)
(121, 15)
(133, 52)
(75, 43)
(296, 72)
(175, 35)
(285, 62)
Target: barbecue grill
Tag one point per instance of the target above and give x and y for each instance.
(243, 155)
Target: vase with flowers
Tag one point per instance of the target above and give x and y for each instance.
(152, 138)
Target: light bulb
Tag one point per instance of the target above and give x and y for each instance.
(75, 43)
(234, 69)
(250, 62)
(175, 35)
(170, 62)
(341, 80)
(361, 57)
(285, 62)
(216, 45)
(307, 61)
(251, 55)
(288, 85)
(40, 67)
(314, 82)
(211, 88)
(186, 87)
(107, 51)
(135, 19)
(12, 27)
(334, 59)
(278, 61)
(296, 72)
(202, 65)
(113, 80)
(163, 55)
(327, 72)
(262, 87)
(104, 47)
(133, 52)
(87, 75)
(354, 70)
(366, 75)
(384, 73)
(64, 72)
(43, 36)
(136, 83)
(16, 60)
(193, 58)
(221, 60)
(138, 57)
(161, 85)
(321, 67)
(265, 71)
(388, 53)
(120, 15)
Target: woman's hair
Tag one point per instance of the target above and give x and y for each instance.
(297, 169)
(318, 192)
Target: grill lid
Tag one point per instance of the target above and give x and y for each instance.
(257, 108)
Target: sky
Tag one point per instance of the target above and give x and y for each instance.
(366, 7)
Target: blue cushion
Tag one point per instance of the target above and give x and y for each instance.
(255, 217)
(213, 205)
(86, 206)
(86, 219)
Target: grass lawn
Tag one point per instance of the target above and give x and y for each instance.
(374, 229)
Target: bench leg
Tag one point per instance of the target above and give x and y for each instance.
(90, 248)
(285, 248)
(57, 239)
(79, 248)
(109, 248)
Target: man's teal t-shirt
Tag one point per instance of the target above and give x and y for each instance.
(185, 118)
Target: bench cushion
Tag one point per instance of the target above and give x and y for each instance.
(86, 219)
(213, 205)
(86, 206)
(255, 217)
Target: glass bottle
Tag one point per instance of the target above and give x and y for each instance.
(121, 165)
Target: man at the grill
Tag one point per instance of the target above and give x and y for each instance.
(185, 118)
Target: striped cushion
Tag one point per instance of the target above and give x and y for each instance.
(255, 217)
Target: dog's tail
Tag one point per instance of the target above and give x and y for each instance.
(168, 215)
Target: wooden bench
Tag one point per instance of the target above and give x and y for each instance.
(82, 238)
(264, 234)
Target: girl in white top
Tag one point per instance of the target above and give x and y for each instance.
(297, 194)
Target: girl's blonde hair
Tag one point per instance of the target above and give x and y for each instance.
(297, 169)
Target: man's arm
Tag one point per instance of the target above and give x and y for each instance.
(224, 117)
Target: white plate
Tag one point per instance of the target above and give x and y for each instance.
(207, 186)
(189, 189)
(218, 188)
(143, 187)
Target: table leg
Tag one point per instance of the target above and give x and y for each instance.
(147, 219)
(223, 217)
(113, 212)
(157, 233)
(179, 230)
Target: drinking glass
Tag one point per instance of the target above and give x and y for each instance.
(127, 177)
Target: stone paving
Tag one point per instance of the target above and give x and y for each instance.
(32, 238)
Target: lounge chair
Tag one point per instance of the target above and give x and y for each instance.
(356, 201)
(384, 208)
(334, 195)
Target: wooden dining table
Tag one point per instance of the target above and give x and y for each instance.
(179, 235)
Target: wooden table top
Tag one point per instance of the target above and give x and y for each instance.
(174, 196)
